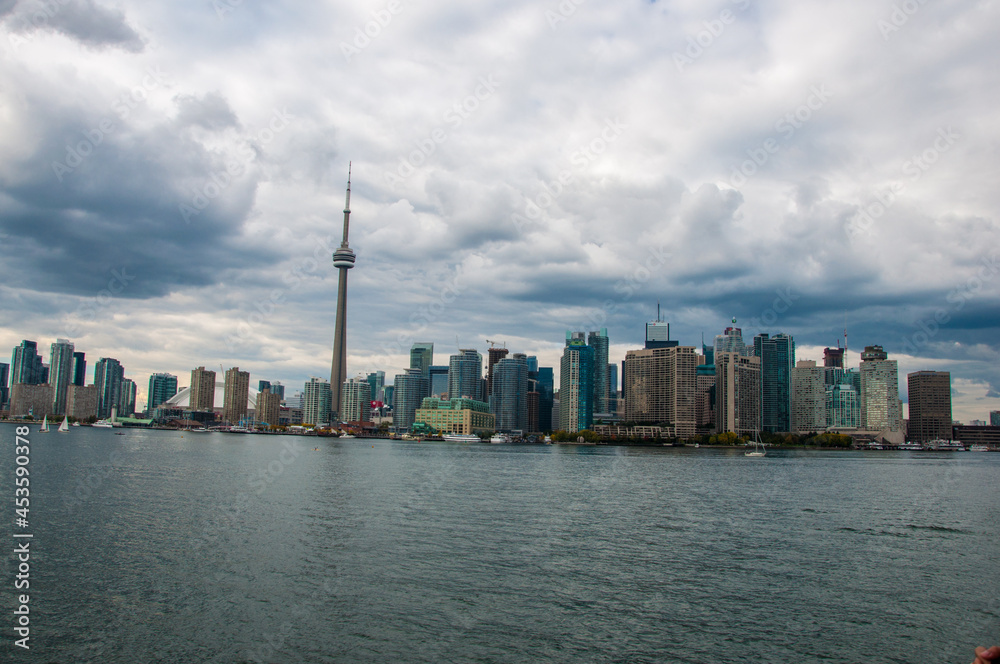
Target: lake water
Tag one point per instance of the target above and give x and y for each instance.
(155, 546)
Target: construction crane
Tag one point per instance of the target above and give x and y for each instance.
(493, 344)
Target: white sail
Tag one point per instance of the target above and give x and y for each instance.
(64, 427)
(45, 425)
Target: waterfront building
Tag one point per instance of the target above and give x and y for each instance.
(237, 390)
(730, 341)
(4, 390)
(843, 403)
(533, 401)
(108, 377)
(202, 390)
(599, 342)
(81, 401)
(268, 407)
(410, 389)
(929, 396)
(79, 368)
(458, 416)
(26, 365)
(509, 399)
(439, 381)
(881, 409)
(343, 260)
(660, 388)
(737, 393)
(465, 375)
(777, 358)
(30, 399)
(576, 389)
(316, 402)
(376, 385)
(356, 400)
(493, 355)
(704, 404)
(126, 398)
(808, 397)
(546, 398)
(995, 418)
(555, 414)
(162, 387)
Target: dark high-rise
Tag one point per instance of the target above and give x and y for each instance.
(465, 375)
(509, 399)
(493, 355)
(777, 358)
(162, 387)
(546, 397)
(108, 377)
(79, 369)
(929, 396)
(599, 342)
(26, 364)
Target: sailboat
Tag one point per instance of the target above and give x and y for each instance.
(64, 427)
(45, 425)
(755, 452)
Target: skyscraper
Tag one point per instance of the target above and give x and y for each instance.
(777, 358)
(730, 341)
(929, 395)
(376, 383)
(880, 406)
(268, 407)
(494, 355)
(995, 418)
(509, 399)
(108, 377)
(202, 390)
(546, 398)
(26, 364)
(4, 390)
(808, 397)
(316, 402)
(343, 260)
(263, 385)
(356, 401)
(659, 386)
(279, 389)
(79, 369)
(422, 357)
(439, 380)
(576, 384)
(599, 342)
(127, 397)
(737, 393)
(162, 386)
(465, 375)
(410, 388)
(235, 399)
(60, 373)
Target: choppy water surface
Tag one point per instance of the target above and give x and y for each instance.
(158, 547)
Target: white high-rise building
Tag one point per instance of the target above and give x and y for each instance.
(881, 409)
(356, 400)
(316, 402)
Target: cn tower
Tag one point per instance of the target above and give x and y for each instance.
(343, 260)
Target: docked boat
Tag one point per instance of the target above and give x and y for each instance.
(913, 447)
(103, 424)
(499, 439)
(979, 447)
(946, 445)
(461, 438)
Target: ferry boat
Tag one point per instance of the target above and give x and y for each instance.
(979, 447)
(946, 445)
(913, 447)
(461, 438)
(499, 439)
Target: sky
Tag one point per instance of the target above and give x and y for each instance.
(173, 178)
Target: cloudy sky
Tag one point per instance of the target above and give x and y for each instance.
(173, 176)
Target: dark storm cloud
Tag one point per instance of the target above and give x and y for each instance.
(99, 193)
(84, 20)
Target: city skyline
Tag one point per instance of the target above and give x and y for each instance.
(800, 166)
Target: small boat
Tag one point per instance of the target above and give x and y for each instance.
(755, 452)
(979, 447)
(75, 424)
(45, 425)
(913, 447)
(103, 424)
(64, 427)
(346, 435)
(499, 439)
